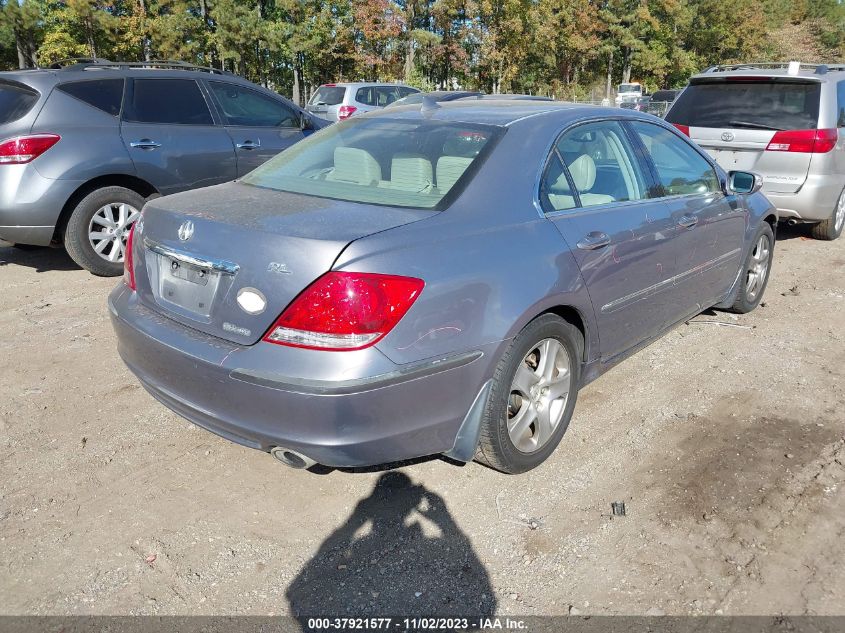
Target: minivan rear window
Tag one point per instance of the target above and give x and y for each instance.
(328, 95)
(15, 101)
(753, 104)
(402, 163)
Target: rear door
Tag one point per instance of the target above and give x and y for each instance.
(171, 136)
(625, 243)
(709, 223)
(753, 124)
(259, 125)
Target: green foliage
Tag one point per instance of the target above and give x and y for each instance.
(565, 48)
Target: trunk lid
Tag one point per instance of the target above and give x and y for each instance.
(210, 258)
(735, 117)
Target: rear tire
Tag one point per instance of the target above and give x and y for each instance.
(756, 270)
(515, 401)
(117, 209)
(831, 228)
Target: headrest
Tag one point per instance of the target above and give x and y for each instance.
(411, 172)
(355, 165)
(583, 171)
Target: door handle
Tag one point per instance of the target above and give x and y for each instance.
(593, 241)
(249, 145)
(145, 143)
(688, 221)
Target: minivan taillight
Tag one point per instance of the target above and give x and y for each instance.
(806, 141)
(682, 128)
(24, 149)
(345, 311)
(344, 112)
(128, 263)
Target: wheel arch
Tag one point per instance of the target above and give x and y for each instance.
(138, 185)
(570, 313)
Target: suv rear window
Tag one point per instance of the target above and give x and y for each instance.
(103, 94)
(328, 95)
(753, 104)
(168, 101)
(15, 101)
(381, 161)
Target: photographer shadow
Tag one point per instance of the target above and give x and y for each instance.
(399, 553)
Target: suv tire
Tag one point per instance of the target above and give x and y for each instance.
(831, 228)
(507, 400)
(81, 224)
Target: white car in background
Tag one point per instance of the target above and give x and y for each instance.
(339, 101)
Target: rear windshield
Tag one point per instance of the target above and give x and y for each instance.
(773, 105)
(401, 163)
(328, 95)
(15, 101)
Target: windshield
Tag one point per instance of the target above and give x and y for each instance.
(629, 87)
(328, 95)
(403, 163)
(753, 104)
(15, 101)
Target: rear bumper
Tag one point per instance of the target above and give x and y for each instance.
(815, 201)
(378, 412)
(30, 204)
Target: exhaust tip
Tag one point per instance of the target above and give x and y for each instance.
(792, 222)
(291, 458)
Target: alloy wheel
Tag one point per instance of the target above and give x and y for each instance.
(839, 220)
(758, 268)
(109, 230)
(539, 394)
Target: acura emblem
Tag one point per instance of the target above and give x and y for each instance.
(186, 231)
(727, 136)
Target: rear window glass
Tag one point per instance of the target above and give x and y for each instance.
(748, 104)
(15, 101)
(328, 95)
(381, 161)
(103, 94)
(168, 101)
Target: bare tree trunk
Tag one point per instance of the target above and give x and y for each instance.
(296, 96)
(626, 67)
(609, 74)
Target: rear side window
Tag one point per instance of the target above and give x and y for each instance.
(168, 101)
(379, 96)
(15, 101)
(242, 106)
(328, 95)
(680, 169)
(103, 94)
(752, 104)
(840, 104)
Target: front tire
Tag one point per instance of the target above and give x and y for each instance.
(831, 228)
(96, 233)
(532, 396)
(755, 271)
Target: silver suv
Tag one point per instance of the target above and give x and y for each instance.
(84, 146)
(336, 102)
(782, 120)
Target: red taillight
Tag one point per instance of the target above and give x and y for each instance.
(806, 141)
(344, 112)
(683, 128)
(23, 149)
(128, 264)
(345, 311)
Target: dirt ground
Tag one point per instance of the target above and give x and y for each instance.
(727, 445)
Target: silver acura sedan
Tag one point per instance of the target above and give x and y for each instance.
(433, 279)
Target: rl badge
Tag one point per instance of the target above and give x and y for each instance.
(251, 300)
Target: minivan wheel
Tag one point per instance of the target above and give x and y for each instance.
(831, 228)
(96, 233)
(755, 271)
(532, 396)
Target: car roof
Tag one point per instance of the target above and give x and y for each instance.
(492, 112)
(815, 72)
(362, 84)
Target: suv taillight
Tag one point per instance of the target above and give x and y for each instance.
(24, 149)
(682, 128)
(345, 311)
(805, 141)
(128, 263)
(344, 112)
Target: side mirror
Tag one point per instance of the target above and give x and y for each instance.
(744, 182)
(305, 122)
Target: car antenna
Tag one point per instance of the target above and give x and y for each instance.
(429, 106)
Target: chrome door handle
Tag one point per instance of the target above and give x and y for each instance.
(145, 143)
(688, 221)
(594, 241)
(249, 145)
